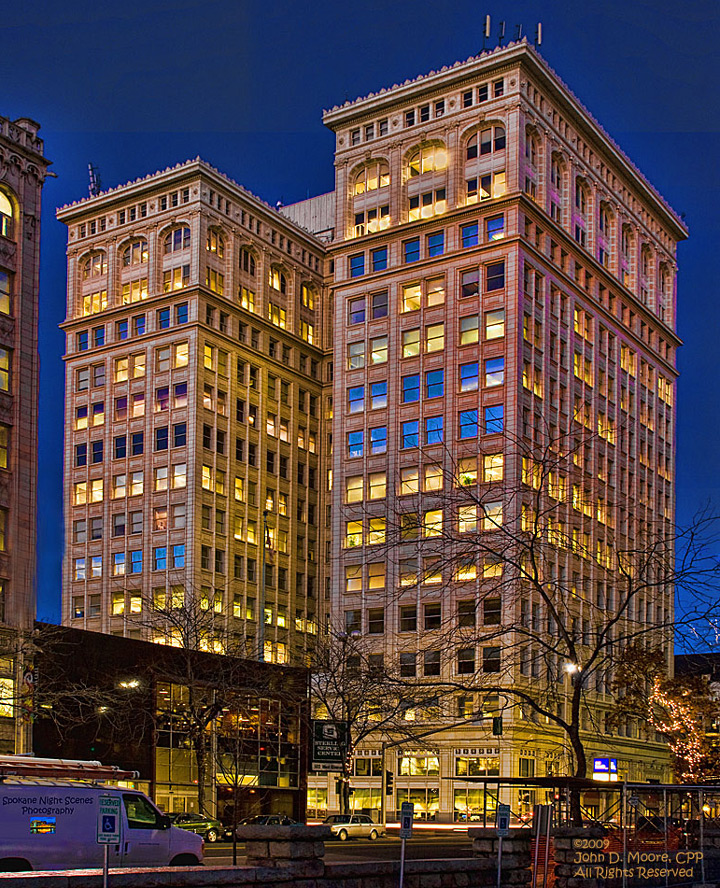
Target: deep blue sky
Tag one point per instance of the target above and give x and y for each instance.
(138, 86)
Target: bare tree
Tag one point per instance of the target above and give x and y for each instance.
(563, 575)
(360, 696)
(184, 620)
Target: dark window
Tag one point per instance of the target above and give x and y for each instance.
(81, 454)
(136, 447)
(495, 276)
(120, 447)
(408, 619)
(411, 250)
(380, 305)
(433, 615)
(97, 451)
(179, 434)
(161, 438)
(466, 614)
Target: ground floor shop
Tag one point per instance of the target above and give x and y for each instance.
(440, 780)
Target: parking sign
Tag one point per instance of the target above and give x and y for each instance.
(108, 825)
(406, 819)
(502, 821)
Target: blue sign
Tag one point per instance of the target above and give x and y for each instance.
(605, 766)
(108, 823)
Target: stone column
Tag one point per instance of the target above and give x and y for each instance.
(515, 853)
(297, 846)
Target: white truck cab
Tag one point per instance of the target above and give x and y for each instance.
(51, 822)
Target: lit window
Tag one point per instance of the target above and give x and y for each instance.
(377, 485)
(467, 519)
(435, 337)
(426, 159)
(409, 481)
(433, 523)
(354, 489)
(411, 343)
(379, 350)
(467, 471)
(4, 292)
(495, 324)
(373, 176)
(411, 296)
(135, 253)
(353, 534)
(493, 464)
(495, 228)
(433, 478)
(469, 330)
(493, 517)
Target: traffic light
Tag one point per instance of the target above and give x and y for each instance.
(389, 776)
(497, 725)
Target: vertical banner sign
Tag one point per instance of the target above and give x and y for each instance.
(329, 743)
(108, 828)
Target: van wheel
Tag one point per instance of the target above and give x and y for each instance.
(373, 835)
(211, 835)
(185, 860)
(342, 835)
(14, 865)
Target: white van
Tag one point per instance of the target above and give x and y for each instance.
(52, 824)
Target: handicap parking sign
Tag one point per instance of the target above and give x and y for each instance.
(108, 825)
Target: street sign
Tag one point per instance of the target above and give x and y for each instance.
(502, 821)
(108, 824)
(406, 819)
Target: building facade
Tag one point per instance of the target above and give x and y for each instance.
(504, 280)
(258, 735)
(194, 372)
(490, 276)
(23, 168)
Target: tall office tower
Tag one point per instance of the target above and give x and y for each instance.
(193, 408)
(503, 277)
(22, 172)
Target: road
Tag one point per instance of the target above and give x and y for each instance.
(419, 848)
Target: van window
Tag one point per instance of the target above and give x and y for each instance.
(140, 813)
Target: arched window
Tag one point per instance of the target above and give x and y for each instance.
(645, 261)
(531, 148)
(487, 140)
(371, 177)
(177, 239)
(308, 296)
(277, 280)
(605, 235)
(427, 159)
(94, 266)
(247, 261)
(580, 226)
(627, 243)
(6, 216)
(556, 172)
(215, 243)
(135, 253)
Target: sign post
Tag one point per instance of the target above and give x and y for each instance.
(108, 829)
(406, 825)
(502, 827)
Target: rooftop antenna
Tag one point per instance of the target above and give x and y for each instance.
(486, 30)
(538, 34)
(95, 184)
(518, 32)
(501, 33)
